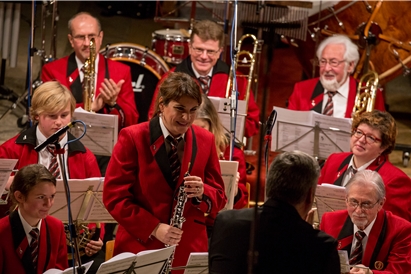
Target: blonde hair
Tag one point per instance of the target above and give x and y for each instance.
(51, 97)
(207, 112)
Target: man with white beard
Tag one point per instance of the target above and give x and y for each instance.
(372, 237)
(337, 58)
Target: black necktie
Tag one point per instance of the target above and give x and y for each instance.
(329, 107)
(173, 158)
(34, 246)
(356, 256)
(204, 83)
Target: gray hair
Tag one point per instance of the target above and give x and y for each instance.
(368, 177)
(290, 177)
(79, 14)
(351, 50)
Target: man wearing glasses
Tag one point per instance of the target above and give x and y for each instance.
(373, 237)
(114, 92)
(337, 58)
(203, 64)
(372, 140)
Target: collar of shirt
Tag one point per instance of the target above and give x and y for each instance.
(367, 231)
(339, 99)
(165, 130)
(44, 154)
(347, 176)
(27, 227)
(210, 73)
(81, 64)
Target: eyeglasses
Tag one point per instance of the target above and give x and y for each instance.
(333, 62)
(200, 51)
(83, 37)
(364, 206)
(358, 133)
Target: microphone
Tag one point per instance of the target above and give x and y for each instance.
(270, 122)
(54, 137)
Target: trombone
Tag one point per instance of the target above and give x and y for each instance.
(246, 60)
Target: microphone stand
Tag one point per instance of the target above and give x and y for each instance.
(71, 227)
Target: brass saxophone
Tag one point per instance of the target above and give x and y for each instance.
(89, 77)
(177, 219)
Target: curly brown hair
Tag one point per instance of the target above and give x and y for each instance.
(382, 121)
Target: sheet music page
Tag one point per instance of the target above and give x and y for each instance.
(118, 263)
(329, 198)
(6, 167)
(344, 262)
(152, 261)
(295, 130)
(222, 106)
(68, 270)
(229, 173)
(101, 132)
(196, 260)
(78, 191)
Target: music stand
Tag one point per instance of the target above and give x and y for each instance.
(229, 174)
(313, 133)
(329, 198)
(148, 261)
(6, 168)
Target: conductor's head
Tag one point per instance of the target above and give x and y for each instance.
(292, 178)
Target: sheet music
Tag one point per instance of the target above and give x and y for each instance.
(229, 174)
(78, 191)
(102, 131)
(148, 261)
(294, 130)
(195, 261)
(6, 167)
(329, 198)
(69, 270)
(222, 106)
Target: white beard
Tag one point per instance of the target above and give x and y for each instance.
(333, 85)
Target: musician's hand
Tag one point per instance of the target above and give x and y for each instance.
(167, 234)
(98, 103)
(310, 216)
(9, 182)
(363, 270)
(93, 247)
(109, 91)
(194, 187)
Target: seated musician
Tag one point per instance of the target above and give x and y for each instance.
(204, 65)
(372, 140)
(113, 92)
(284, 241)
(146, 176)
(207, 118)
(31, 240)
(372, 236)
(333, 93)
(52, 108)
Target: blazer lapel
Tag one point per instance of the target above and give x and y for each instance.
(74, 78)
(342, 169)
(351, 97)
(346, 235)
(317, 97)
(20, 242)
(190, 152)
(101, 72)
(375, 239)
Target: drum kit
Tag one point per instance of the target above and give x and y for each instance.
(169, 48)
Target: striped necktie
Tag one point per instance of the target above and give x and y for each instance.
(204, 83)
(54, 165)
(173, 158)
(356, 255)
(329, 107)
(34, 246)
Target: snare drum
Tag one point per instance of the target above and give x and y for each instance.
(146, 70)
(171, 44)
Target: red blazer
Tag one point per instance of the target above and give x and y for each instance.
(217, 88)
(65, 71)
(139, 193)
(388, 247)
(15, 256)
(397, 183)
(308, 95)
